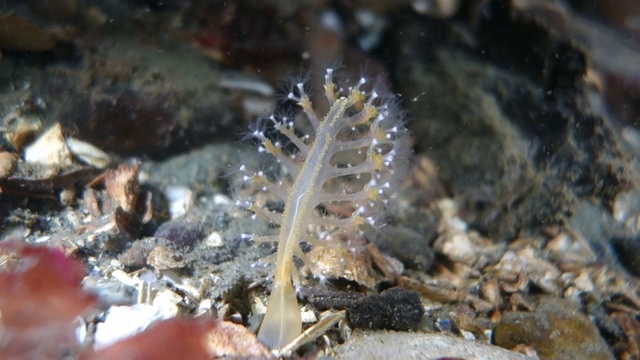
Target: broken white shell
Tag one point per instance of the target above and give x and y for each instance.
(49, 149)
(88, 153)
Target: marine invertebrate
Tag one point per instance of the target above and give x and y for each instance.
(336, 179)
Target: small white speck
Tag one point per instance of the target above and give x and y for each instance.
(42, 239)
(215, 239)
(415, 98)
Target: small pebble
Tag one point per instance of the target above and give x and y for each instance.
(557, 329)
(7, 164)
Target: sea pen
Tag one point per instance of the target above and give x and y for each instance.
(337, 179)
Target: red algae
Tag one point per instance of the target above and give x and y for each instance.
(40, 298)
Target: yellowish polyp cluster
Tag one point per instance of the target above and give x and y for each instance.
(337, 180)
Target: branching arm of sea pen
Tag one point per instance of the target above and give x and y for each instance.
(299, 143)
(350, 197)
(276, 151)
(364, 167)
(272, 216)
(280, 189)
(349, 164)
(355, 219)
(305, 103)
(282, 321)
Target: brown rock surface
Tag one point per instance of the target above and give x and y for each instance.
(555, 330)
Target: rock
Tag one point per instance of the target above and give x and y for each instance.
(555, 330)
(483, 113)
(18, 33)
(183, 231)
(7, 164)
(408, 246)
(162, 258)
(405, 345)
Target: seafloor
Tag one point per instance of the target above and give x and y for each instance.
(515, 233)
